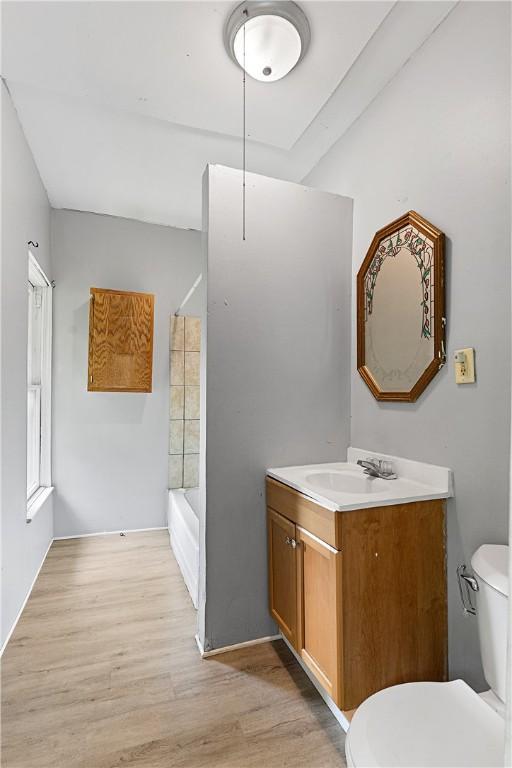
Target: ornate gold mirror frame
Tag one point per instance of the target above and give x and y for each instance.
(401, 309)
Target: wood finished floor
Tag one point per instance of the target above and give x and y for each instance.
(103, 670)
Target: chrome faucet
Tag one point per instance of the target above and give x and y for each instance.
(378, 468)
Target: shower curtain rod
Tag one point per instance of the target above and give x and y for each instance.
(189, 294)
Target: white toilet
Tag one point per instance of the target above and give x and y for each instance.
(427, 725)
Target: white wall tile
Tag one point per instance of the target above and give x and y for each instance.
(191, 402)
(177, 367)
(177, 333)
(176, 402)
(192, 362)
(191, 437)
(191, 470)
(176, 437)
(192, 334)
(175, 471)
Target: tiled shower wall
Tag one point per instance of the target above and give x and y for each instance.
(185, 347)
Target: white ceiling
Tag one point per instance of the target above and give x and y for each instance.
(124, 103)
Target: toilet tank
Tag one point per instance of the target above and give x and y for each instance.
(490, 565)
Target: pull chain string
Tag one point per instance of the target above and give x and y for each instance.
(243, 147)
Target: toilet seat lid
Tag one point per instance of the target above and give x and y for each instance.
(426, 724)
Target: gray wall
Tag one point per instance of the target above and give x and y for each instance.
(437, 141)
(277, 380)
(25, 216)
(110, 449)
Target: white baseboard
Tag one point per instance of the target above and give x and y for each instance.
(336, 711)
(235, 647)
(4, 646)
(110, 533)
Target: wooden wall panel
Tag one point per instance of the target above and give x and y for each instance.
(120, 341)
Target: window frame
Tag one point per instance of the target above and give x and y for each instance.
(34, 451)
(38, 280)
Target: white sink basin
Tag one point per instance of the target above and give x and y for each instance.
(343, 485)
(346, 481)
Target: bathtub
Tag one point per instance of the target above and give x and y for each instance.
(183, 524)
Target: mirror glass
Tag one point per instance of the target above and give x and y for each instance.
(397, 310)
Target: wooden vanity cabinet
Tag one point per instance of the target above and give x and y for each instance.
(360, 595)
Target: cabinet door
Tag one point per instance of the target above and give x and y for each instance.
(319, 625)
(282, 574)
(120, 341)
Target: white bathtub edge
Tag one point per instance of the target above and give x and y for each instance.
(183, 544)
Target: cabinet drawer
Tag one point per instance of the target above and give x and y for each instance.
(300, 510)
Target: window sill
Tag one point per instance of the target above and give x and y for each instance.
(37, 501)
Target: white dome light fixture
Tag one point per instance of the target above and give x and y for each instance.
(276, 36)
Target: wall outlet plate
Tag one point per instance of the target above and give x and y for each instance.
(464, 360)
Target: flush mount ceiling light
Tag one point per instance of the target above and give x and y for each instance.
(267, 39)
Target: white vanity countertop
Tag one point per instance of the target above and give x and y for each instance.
(344, 485)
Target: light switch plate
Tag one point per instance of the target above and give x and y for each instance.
(464, 371)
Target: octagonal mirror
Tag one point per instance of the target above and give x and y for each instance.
(400, 309)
